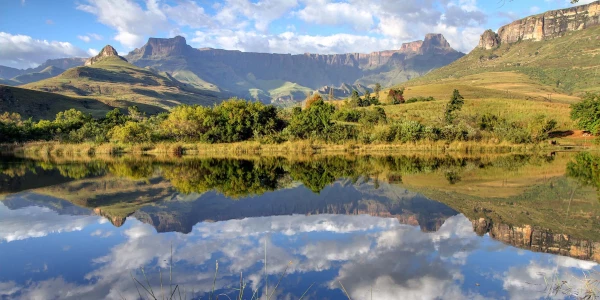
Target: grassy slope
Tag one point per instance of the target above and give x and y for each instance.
(48, 72)
(43, 105)
(120, 84)
(569, 64)
(525, 78)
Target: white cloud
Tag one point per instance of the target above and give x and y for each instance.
(244, 24)
(132, 22)
(323, 13)
(95, 36)
(40, 222)
(290, 42)
(92, 52)
(22, 51)
(261, 13)
(84, 38)
(188, 13)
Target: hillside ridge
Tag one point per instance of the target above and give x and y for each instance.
(544, 26)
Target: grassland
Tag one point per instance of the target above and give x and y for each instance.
(44, 105)
(514, 81)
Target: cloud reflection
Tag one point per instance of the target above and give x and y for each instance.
(365, 253)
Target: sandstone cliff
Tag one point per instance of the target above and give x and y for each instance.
(539, 240)
(549, 25)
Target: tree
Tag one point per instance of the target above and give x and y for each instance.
(355, 99)
(135, 113)
(377, 90)
(587, 113)
(396, 96)
(455, 104)
(310, 100)
(314, 121)
(366, 101)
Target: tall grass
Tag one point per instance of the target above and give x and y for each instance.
(150, 293)
(299, 147)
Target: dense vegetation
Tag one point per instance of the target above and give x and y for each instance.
(238, 120)
(238, 178)
(587, 113)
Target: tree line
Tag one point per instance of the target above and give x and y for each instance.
(237, 120)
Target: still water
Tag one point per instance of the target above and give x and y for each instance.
(405, 227)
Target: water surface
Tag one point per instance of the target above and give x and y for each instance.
(416, 227)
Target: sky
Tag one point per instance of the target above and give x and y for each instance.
(32, 31)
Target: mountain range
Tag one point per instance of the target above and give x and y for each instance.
(264, 76)
(550, 53)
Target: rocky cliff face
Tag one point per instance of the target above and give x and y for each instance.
(435, 43)
(539, 240)
(549, 25)
(488, 40)
(237, 71)
(107, 51)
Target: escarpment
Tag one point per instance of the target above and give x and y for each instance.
(548, 25)
(539, 240)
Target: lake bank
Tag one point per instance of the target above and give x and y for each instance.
(301, 147)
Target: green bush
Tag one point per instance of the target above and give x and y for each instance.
(587, 113)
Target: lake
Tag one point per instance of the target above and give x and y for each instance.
(474, 226)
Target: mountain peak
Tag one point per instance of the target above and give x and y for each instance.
(435, 43)
(107, 51)
(162, 47)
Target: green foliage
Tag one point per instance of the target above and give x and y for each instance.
(585, 169)
(540, 127)
(420, 99)
(131, 131)
(313, 122)
(587, 113)
(377, 90)
(455, 104)
(355, 100)
(231, 121)
(347, 115)
(373, 117)
(364, 117)
(238, 120)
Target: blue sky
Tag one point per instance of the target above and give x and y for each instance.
(32, 31)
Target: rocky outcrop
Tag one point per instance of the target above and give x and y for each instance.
(156, 47)
(435, 43)
(539, 240)
(549, 25)
(107, 51)
(411, 47)
(489, 40)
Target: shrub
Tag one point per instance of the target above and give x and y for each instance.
(396, 96)
(587, 113)
(347, 115)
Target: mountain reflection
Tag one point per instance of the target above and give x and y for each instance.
(367, 222)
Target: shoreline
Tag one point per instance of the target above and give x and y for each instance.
(301, 147)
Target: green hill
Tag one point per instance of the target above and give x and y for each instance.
(43, 105)
(110, 79)
(48, 72)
